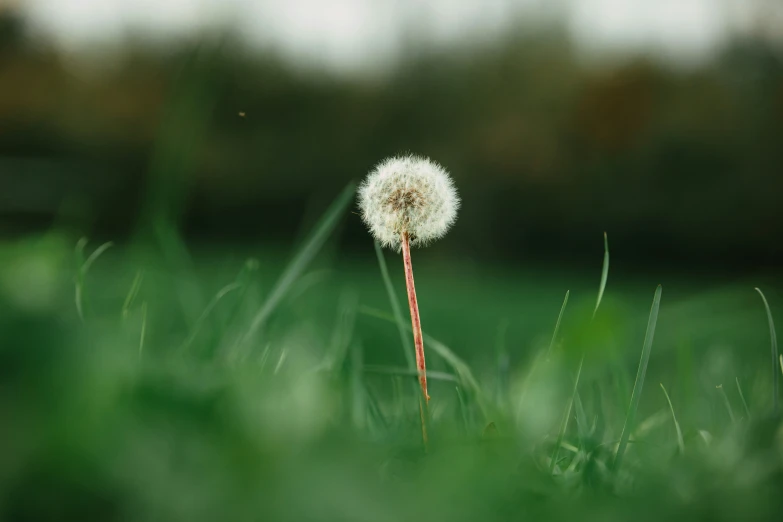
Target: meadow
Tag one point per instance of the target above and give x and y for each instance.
(156, 380)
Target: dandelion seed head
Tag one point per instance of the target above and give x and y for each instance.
(408, 194)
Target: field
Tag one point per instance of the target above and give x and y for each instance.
(155, 380)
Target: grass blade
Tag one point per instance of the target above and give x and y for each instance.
(132, 293)
(639, 384)
(343, 333)
(79, 279)
(581, 419)
(392, 370)
(306, 253)
(774, 342)
(184, 128)
(223, 292)
(182, 271)
(95, 255)
(541, 356)
(245, 279)
(502, 363)
(604, 275)
(460, 366)
(83, 268)
(462, 369)
(680, 440)
(727, 403)
(566, 417)
(407, 347)
(742, 396)
(557, 324)
(143, 328)
(575, 394)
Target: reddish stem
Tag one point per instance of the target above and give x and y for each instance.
(418, 341)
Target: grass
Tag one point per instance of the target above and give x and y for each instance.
(300, 261)
(641, 373)
(575, 398)
(145, 410)
(82, 270)
(394, 303)
(774, 348)
(680, 440)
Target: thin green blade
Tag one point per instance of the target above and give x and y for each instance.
(557, 324)
(132, 293)
(575, 394)
(680, 440)
(774, 342)
(461, 368)
(566, 417)
(311, 246)
(639, 384)
(742, 397)
(604, 275)
(726, 402)
(81, 272)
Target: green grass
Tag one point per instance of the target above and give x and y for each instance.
(680, 441)
(289, 394)
(641, 373)
(774, 348)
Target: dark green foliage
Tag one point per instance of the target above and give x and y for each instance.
(545, 145)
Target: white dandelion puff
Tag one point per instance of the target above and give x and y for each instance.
(408, 195)
(409, 201)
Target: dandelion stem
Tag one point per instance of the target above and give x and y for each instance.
(418, 340)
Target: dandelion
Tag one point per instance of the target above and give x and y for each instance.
(409, 201)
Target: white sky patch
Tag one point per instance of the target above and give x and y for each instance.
(357, 33)
(673, 26)
(89, 19)
(337, 32)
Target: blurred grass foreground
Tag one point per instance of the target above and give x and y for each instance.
(237, 351)
(140, 383)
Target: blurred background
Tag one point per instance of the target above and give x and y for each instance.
(221, 362)
(657, 121)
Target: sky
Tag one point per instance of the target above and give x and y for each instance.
(355, 33)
